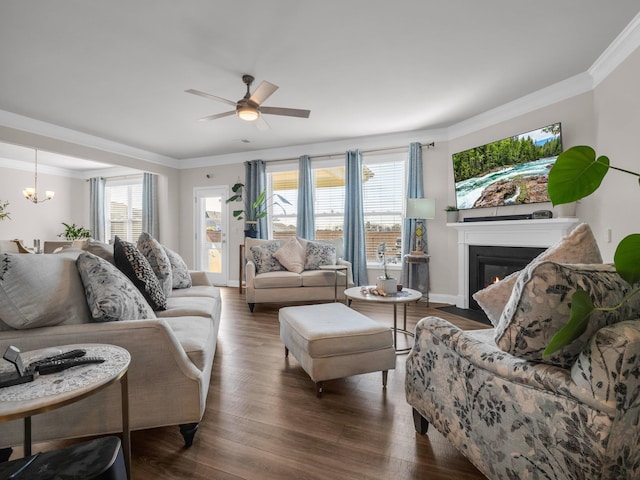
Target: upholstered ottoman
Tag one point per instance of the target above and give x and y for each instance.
(331, 340)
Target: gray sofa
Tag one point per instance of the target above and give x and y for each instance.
(172, 351)
(286, 286)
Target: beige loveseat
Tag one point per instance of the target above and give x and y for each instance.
(172, 351)
(308, 284)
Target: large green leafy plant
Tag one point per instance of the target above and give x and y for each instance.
(252, 212)
(74, 232)
(576, 174)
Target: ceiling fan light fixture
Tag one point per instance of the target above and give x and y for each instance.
(247, 113)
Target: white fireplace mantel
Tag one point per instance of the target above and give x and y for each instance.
(506, 233)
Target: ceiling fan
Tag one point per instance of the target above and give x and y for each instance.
(249, 107)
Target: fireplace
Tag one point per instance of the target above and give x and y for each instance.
(489, 264)
(539, 233)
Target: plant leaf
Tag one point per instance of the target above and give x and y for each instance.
(581, 308)
(576, 174)
(627, 258)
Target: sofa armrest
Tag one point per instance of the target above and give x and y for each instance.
(250, 273)
(199, 278)
(608, 366)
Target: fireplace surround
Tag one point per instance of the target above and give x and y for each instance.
(540, 234)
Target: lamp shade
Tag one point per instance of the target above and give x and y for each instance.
(420, 208)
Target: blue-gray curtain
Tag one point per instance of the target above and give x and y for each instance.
(150, 205)
(306, 224)
(354, 238)
(96, 208)
(415, 189)
(254, 184)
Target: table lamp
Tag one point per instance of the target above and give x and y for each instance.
(419, 209)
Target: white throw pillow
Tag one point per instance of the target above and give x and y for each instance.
(291, 255)
(579, 246)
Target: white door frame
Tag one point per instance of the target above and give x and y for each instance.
(198, 194)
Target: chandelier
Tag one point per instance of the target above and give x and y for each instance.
(31, 193)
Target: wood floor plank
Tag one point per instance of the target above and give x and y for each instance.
(264, 421)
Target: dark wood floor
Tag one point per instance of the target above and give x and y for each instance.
(263, 420)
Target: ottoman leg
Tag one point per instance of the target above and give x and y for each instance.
(318, 389)
(384, 378)
(286, 351)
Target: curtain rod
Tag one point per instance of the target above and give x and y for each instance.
(373, 150)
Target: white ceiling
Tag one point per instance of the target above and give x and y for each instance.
(118, 69)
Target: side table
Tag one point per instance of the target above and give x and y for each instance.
(336, 269)
(418, 274)
(49, 392)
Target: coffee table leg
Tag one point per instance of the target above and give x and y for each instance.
(405, 316)
(126, 433)
(27, 436)
(395, 326)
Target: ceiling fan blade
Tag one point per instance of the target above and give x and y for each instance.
(264, 91)
(261, 124)
(217, 115)
(208, 95)
(289, 112)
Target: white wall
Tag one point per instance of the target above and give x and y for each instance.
(44, 221)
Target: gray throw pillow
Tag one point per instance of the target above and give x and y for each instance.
(264, 259)
(136, 267)
(110, 294)
(40, 290)
(180, 277)
(541, 304)
(319, 254)
(158, 259)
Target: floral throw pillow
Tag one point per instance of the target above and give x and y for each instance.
(541, 304)
(110, 294)
(158, 259)
(291, 255)
(579, 246)
(136, 267)
(319, 254)
(264, 259)
(180, 277)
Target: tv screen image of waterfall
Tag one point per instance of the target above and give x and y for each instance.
(511, 171)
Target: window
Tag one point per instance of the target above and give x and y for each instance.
(383, 198)
(123, 208)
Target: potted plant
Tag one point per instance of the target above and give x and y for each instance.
(385, 283)
(4, 215)
(452, 213)
(74, 232)
(253, 212)
(576, 174)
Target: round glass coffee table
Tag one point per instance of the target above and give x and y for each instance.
(404, 297)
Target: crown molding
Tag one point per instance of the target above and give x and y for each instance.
(624, 45)
(38, 127)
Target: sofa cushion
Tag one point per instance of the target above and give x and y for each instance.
(197, 291)
(579, 246)
(135, 266)
(189, 307)
(319, 254)
(264, 259)
(277, 280)
(541, 304)
(40, 290)
(291, 255)
(321, 278)
(110, 294)
(103, 250)
(180, 277)
(158, 259)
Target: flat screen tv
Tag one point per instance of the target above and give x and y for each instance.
(511, 171)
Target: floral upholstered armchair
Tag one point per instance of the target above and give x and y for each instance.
(516, 413)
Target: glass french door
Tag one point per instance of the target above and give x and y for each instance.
(211, 223)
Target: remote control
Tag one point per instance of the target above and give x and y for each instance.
(62, 356)
(59, 365)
